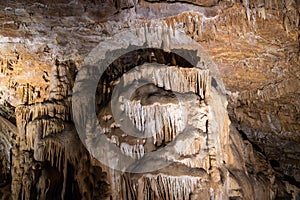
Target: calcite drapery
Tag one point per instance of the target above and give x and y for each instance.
(265, 111)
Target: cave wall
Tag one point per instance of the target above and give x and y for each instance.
(255, 46)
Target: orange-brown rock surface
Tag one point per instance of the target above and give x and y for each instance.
(248, 149)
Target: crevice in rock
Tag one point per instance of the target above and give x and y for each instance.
(245, 137)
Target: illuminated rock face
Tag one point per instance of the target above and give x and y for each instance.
(182, 108)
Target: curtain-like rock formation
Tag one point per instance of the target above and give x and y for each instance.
(181, 109)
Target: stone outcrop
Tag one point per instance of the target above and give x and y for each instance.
(196, 146)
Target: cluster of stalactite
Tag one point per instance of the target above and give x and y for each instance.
(46, 150)
(46, 156)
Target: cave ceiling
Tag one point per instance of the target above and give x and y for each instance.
(242, 99)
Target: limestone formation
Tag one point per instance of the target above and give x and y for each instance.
(208, 108)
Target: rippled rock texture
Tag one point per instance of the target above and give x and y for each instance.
(198, 145)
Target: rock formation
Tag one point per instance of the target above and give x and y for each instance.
(192, 99)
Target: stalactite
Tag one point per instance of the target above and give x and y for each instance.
(61, 83)
(3, 66)
(199, 27)
(163, 122)
(52, 110)
(42, 128)
(65, 173)
(167, 187)
(247, 7)
(51, 150)
(262, 12)
(190, 79)
(196, 161)
(135, 151)
(40, 120)
(25, 95)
